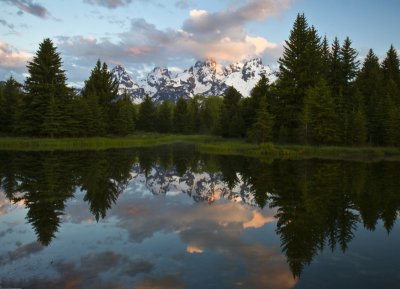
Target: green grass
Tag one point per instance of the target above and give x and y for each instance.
(97, 143)
(270, 151)
(206, 144)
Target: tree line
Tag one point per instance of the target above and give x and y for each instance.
(323, 95)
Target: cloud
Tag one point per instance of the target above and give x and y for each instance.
(10, 57)
(111, 4)
(30, 7)
(22, 252)
(88, 273)
(6, 24)
(183, 4)
(203, 34)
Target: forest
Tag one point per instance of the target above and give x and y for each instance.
(323, 95)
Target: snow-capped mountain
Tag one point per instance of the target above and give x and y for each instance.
(204, 78)
(202, 186)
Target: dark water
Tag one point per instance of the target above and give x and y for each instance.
(169, 217)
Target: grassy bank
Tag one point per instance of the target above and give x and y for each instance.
(206, 144)
(98, 143)
(271, 151)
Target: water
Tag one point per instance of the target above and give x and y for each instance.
(169, 217)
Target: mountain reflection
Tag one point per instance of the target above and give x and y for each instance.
(318, 203)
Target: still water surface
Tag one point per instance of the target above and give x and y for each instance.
(169, 217)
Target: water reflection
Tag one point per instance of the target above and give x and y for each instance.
(315, 204)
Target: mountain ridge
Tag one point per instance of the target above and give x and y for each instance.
(205, 77)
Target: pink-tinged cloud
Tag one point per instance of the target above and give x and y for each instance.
(219, 35)
(12, 58)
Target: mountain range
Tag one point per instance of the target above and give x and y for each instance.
(203, 78)
(203, 187)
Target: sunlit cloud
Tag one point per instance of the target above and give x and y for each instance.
(203, 34)
(10, 57)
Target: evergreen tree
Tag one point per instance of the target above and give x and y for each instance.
(180, 120)
(46, 82)
(231, 119)
(123, 113)
(326, 58)
(370, 84)
(252, 104)
(9, 106)
(193, 110)
(50, 126)
(300, 69)
(321, 119)
(165, 117)
(335, 70)
(349, 62)
(147, 114)
(391, 73)
(211, 114)
(358, 125)
(101, 91)
(261, 130)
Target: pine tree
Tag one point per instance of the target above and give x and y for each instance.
(101, 90)
(252, 104)
(326, 58)
(50, 126)
(9, 106)
(211, 114)
(335, 70)
(358, 126)
(369, 82)
(261, 129)
(165, 117)
(391, 73)
(180, 120)
(147, 114)
(231, 119)
(321, 119)
(300, 69)
(46, 81)
(123, 113)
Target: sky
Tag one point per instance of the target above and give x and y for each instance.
(142, 34)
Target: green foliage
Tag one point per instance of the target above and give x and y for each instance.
(370, 84)
(180, 117)
(210, 114)
(320, 117)
(101, 91)
(165, 113)
(123, 113)
(261, 129)
(10, 101)
(231, 119)
(147, 114)
(300, 69)
(45, 87)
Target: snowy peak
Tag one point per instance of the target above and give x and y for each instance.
(206, 78)
(122, 76)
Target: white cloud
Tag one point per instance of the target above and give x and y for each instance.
(10, 57)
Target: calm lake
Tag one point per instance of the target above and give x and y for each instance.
(170, 217)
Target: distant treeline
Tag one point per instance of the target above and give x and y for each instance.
(321, 96)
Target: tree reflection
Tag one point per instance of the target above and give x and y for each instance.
(318, 203)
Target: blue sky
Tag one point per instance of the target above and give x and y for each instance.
(141, 34)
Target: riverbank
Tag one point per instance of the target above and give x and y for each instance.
(206, 144)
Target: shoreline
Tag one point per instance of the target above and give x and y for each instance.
(206, 144)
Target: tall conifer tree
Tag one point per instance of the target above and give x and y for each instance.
(46, 83)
